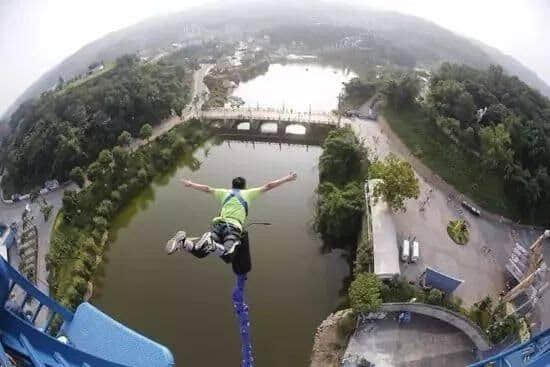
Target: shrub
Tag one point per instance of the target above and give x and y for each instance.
(435, 297)
(398, 290)
(458, 231)
(346, 325)
(364, 293)
(81, 269)
(100, 223)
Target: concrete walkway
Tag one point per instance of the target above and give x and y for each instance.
(457, 320)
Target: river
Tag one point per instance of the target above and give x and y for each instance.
(295, 86)
(184, 302)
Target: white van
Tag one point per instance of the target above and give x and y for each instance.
(415, 252)
(405, 251)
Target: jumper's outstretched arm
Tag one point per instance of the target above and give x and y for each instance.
(276, 183)
(196, 186)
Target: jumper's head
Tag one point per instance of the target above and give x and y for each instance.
(238, 183)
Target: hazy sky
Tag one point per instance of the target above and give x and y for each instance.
(35, 35)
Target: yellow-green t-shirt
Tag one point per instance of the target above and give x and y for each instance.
(233, 212)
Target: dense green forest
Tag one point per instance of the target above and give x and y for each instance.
(117, 176)
(69, 127)
(500, 126)
(512, 136)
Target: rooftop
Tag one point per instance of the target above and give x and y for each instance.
(384, 236)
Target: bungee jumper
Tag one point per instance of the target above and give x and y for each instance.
(225, 235)
(228, 239)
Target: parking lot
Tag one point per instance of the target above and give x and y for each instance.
(479, 263)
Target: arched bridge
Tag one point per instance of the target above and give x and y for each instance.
(271, 125)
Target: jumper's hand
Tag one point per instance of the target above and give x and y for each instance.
(292, 176)
(186, 182)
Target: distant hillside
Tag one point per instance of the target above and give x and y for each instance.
(428, 43)
(516, 68)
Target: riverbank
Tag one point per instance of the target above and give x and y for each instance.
(331, 339)
(222, 80)
(78, 241)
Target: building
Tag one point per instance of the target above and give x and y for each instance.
(384, 235)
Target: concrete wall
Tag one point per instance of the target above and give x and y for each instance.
(457, 320)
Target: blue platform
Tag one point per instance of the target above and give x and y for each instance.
(94, 339)
(533, 353)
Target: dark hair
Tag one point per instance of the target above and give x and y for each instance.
(238, 183)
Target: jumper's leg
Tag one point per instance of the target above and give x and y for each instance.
(200, 248)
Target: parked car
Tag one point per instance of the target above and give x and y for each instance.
(405, 251)
(415, 252)
(472, 209)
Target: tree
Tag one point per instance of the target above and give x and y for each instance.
(115, 196)
(402, 91)
(496, 146)
(77, 176)
(398, 181)
(124, 138)
(105, 159)
(105, 209)
(146, 131)
(46, 210)
(339, 211)
(495, 113)
(449, 125)
(100, 223)
(364, 293)
(357, 92)
(71, 205)
(450, 98)
(343, 156)
(94, 172)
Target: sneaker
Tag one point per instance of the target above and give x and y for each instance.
(205, 244)
(176, 243)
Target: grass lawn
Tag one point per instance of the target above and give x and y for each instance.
(460, 168)
(76, 83)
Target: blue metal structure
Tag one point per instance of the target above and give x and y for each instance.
(533, 353)
(93, 338)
